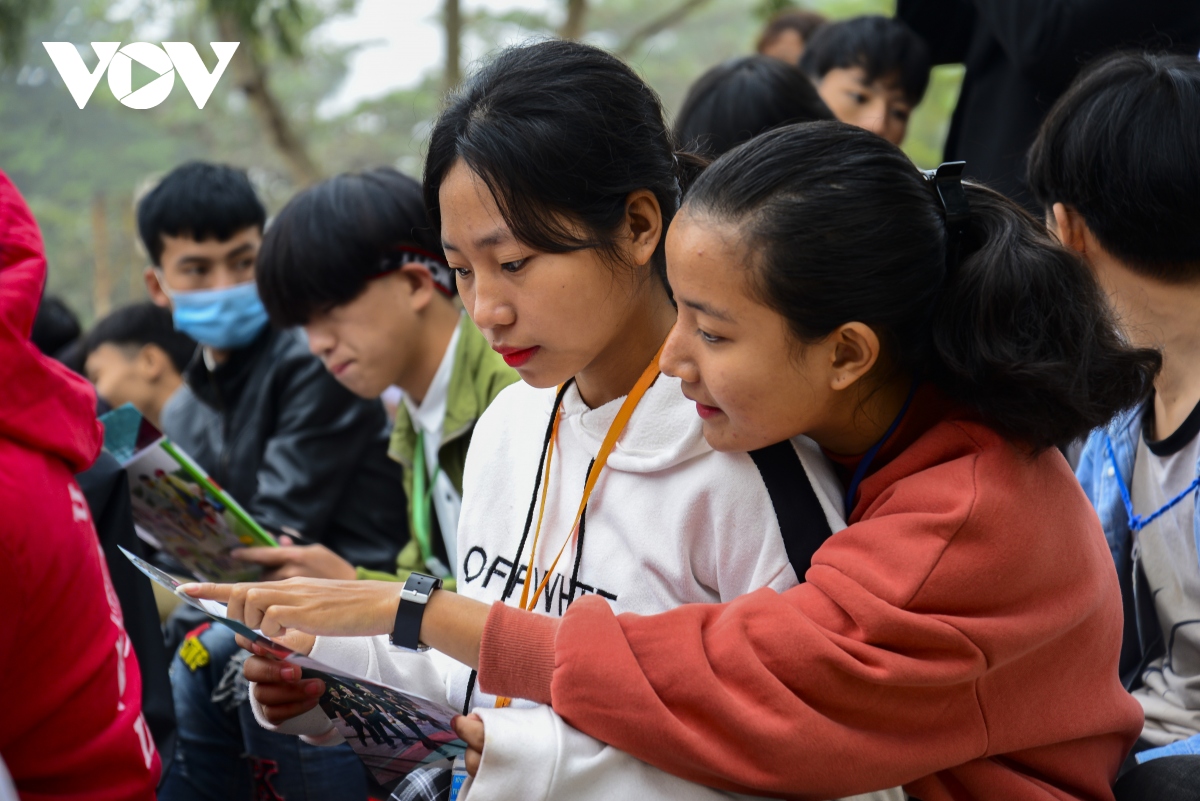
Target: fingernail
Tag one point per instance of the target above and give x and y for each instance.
(290, 673)
(236, 552)
(315, 687)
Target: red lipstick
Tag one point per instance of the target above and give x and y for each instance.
(515, 357)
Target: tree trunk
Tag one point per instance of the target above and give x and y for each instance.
(573, 25)
(252, 80)
(102, 274)
(659, 24)
(130, 257)
(452, 18)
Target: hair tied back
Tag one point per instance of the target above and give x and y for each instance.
(947, 183)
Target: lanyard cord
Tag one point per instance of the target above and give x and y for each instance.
(594, 470)
(1137, 522)
(543, 466)
(606, 448)
(873, 451)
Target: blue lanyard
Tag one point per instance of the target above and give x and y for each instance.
(1137, 522)
(868, 457)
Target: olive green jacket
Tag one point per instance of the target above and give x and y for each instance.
(476, 378)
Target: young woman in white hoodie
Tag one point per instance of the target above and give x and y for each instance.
(552, 178)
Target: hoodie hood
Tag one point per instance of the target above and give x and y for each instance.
(43, 405)
(663, 432)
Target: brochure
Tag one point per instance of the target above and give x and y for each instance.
(177, 508)
(392, 731)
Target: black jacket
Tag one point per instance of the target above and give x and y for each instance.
(295, 447)
(1021, 55)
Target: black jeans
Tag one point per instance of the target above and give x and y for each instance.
(1173, 778)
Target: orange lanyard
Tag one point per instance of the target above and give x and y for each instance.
(606, 448)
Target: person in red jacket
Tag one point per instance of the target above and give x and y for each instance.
(960, 637)
(72, 710)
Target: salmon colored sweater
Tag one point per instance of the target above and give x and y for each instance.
(959, 638)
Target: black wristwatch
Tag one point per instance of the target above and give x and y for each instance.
(407, 631)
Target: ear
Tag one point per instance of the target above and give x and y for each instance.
(154, 288)
(853, 351)
(644, 217)
(152, 362)
(418, 281)
(1068, 225)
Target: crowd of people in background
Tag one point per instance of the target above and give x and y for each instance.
(870, 482)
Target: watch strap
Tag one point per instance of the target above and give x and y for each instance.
(406, 633)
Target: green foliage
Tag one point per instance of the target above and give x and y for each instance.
(15, 16)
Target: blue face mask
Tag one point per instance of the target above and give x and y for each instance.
(220, 318)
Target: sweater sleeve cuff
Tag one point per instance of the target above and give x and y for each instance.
(516, 654)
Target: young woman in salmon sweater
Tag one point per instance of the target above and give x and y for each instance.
(961, 636)
(551, 179)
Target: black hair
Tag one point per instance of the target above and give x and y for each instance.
(328, 241)
(201, 201)
(884, 47)
(845, 228)
(561, 133)
(804, 23)
(54, 326)
(1122, 147)
(742, 98)
(138, 325)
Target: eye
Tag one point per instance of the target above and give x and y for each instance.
(858, 97)
(711, 339)
(901, 114)
(246, 264)
(462, 273)
(512, 266)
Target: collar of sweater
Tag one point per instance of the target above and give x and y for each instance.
(663, 432)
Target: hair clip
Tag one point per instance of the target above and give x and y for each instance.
(956, 210)
(947, 181)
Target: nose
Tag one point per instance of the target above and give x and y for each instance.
(487, 303)
(320, 341)
(675, 361)
(875, 119)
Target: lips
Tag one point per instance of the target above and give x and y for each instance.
(705, 411)
(515, 357)
(338, 369)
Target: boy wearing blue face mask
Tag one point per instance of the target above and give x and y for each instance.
(267, 421)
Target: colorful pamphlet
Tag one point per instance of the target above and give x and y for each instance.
(177, 508)
(393, 732)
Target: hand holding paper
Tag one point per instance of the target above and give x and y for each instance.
(317, 606)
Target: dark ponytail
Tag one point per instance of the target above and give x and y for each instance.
(561, 133)
(847, 229)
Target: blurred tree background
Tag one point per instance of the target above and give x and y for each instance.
(82, 170)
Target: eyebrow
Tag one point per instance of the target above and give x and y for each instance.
(704, 308)
(497, 237)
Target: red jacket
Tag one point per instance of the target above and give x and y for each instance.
(959, 638)
(73, 726)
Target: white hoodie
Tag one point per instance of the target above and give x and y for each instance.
(670, 522)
